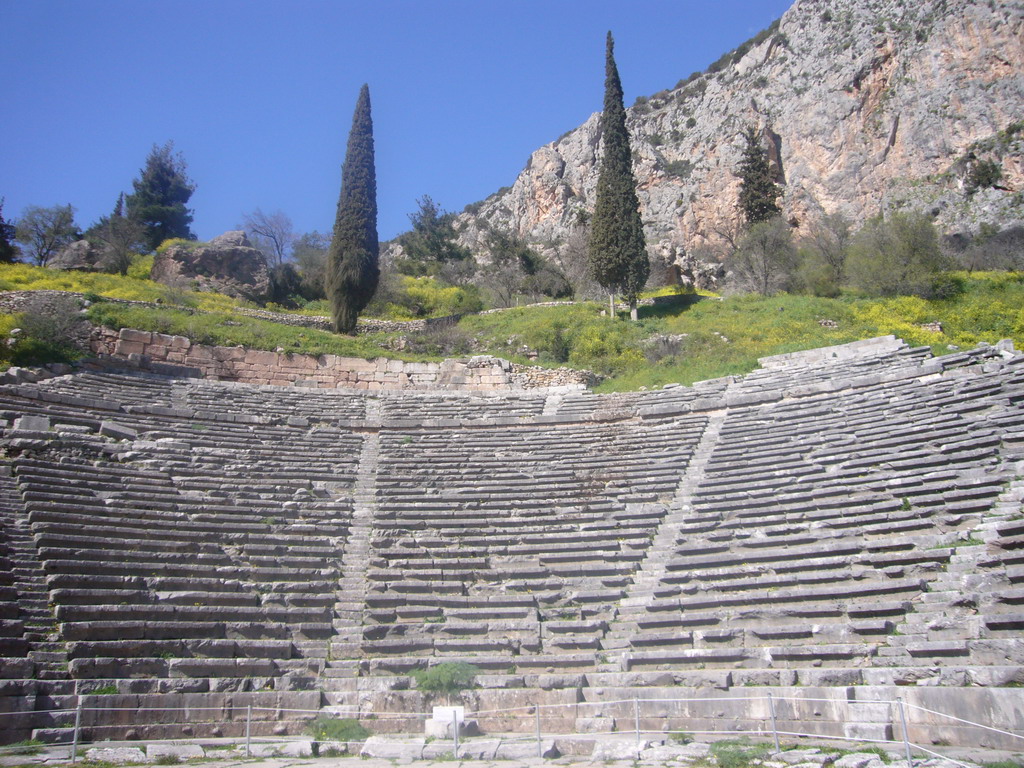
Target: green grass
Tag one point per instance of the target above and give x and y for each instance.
(25, 747)
(738, 753)
(24, 277)
(727, 336)
(227, 329)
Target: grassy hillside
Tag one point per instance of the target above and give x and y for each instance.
(686, 339)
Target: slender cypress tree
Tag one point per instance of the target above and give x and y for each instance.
(759, 192)
(353, 258)
(617, 250)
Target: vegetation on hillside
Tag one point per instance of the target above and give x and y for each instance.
(687, 338)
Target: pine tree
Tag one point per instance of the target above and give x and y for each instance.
(352, 261)
(161, 192)
(758, 190)
(617, 250)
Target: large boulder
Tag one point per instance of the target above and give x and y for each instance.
(227, 264)
(81, 255)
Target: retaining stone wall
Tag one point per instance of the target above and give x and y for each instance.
(177, 355)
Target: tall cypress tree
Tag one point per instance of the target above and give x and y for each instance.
(759, 191)
(353, 258)
(617, 250)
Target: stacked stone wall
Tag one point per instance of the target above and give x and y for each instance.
(177, 355)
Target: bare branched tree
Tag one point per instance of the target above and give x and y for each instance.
(272, 233)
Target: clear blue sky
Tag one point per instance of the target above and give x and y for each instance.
(258, 95)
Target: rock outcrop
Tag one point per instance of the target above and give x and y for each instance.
(227, 264)
(81, 255)
(865, 106)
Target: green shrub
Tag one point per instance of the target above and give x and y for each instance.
(446, 678)
(168, 760)
(104, 690)
(141, 266)
(982, 175)
(896, 256)
(338, 729)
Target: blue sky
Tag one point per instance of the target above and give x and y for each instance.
(257, 95)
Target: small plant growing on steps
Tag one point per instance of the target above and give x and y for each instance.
(447, 678)
(338, 729)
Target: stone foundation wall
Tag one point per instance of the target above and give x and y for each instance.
(177, 355)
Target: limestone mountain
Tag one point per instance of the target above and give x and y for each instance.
(864, 106)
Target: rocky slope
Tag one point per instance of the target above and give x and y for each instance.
(865, 105)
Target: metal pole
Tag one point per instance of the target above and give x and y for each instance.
(248, 730)
(536, 713)
(906, 734)
(775, 730)
(636, 718)
(455, 731)
(74, 737)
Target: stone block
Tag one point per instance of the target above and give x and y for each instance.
(119, 755)
(526, 750)
(131, 335)
(126, 348)
(117, 431)
(181, 751)
(30, 423)
(393, 748)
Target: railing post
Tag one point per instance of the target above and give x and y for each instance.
(636, 718)
(906, 734)
(775, 729)
(248, 730)
(74, 737)
(536, 718)
(455, 732)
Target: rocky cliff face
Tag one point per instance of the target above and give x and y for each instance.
(865, 105)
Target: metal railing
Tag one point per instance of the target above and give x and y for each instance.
(770, 722)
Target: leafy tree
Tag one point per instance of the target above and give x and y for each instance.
(120, 237)
(823, 255)
(765, 259)
(8, 250)
(618, 252)
(161, 193)
(896, 256)
(309, 251)
(432, 246)
(353, 259)
(272, 233)
(44, 231)
(759, 191)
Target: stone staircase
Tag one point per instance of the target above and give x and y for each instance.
(339, 681)
(652, 569)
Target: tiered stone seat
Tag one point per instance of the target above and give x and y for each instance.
(549, 523)
(820, 525)
(826, 521)
(421, 407)
(201, 556)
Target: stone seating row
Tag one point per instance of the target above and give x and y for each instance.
(454, 405)
(828, 541)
